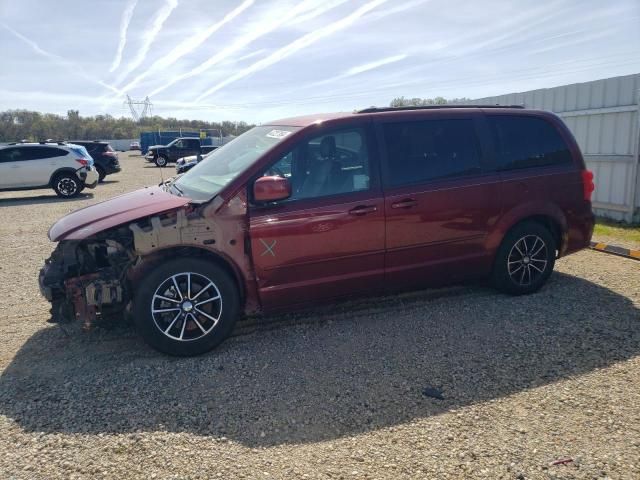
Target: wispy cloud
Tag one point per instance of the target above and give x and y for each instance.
(77, 69)
(124, 27)
(373, 65)
(295, 46)
(187, 46)
(238, 45)
(149, 36)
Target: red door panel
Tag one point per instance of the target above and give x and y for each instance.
(437, 232)
(321, 249)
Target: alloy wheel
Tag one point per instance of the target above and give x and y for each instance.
(527, 260)
(67, 186)
(186, 306)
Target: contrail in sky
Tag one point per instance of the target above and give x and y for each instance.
(295, 46)
(373, 65)
(187, 46)
(148, 38)
(266, 28)
(124, 26)
(57, 58)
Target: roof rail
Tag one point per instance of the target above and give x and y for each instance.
(431, 107)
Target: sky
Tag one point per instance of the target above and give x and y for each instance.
(256, 60)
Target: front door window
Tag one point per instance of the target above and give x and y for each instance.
(330, 164)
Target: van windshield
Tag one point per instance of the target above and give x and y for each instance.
(208, 177)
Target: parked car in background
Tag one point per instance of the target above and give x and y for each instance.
(161, 155)
(314, 208)
(185, 164)
(65, 167)
(134, 146)
(104, 156)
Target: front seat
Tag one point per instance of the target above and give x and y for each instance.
(321, 168)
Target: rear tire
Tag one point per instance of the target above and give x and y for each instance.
(101, 174)
(525, 259)
(161, 161)
(186, 306)
(67, 185)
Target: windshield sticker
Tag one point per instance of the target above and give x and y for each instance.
(278, 133)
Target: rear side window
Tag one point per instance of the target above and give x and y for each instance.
(525, 142)
(430, 150)
(10, 155)
(17, 154)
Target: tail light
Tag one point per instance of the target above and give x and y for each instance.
(82, 161)
(587, 184)
(110, 153)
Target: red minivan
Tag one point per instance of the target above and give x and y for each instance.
(309, 209)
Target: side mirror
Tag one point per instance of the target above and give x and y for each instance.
(271, 189)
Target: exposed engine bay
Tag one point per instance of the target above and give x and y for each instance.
(84, 279)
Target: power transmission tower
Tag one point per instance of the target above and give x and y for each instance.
(146, 107)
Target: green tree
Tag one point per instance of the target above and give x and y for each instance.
(16, 125)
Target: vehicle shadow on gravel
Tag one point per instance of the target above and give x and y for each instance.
(41, 199)
(330, 373)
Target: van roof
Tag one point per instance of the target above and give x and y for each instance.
(307, 120)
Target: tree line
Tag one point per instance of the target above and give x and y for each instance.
(421, 102)
(16, 125)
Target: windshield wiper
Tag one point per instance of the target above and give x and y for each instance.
(173, 185)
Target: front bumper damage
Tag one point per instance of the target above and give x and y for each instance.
(86, 280)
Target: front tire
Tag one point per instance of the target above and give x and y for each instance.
(67, 185)
(525, 259)
(161, 161)
(186, 306)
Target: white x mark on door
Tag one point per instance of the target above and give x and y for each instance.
(268, 248)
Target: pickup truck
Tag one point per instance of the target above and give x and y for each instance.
(161, 155)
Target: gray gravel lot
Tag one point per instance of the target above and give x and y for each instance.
(337, 392)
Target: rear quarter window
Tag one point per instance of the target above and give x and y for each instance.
(527, 142)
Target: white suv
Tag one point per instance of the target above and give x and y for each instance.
(65, 167)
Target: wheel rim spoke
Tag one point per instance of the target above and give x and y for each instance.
(165, 310)
(533, 266)
(212, 299)
(175, 284)
(184, 324)
(210, 284)
(215, 320)
(167, 299)
(193, 317)
(172, 323)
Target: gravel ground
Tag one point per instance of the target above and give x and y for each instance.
(337, 392)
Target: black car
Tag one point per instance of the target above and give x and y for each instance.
(161, 155)
(104, 156)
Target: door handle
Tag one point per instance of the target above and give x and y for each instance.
(15, 166)
(363, 210)
(406, 203)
